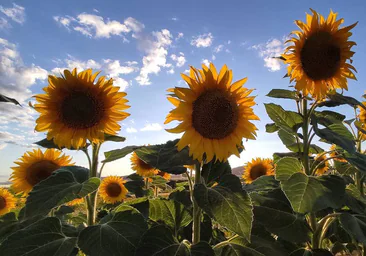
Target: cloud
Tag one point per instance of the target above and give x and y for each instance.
(151, 127)
(175, 19)
(204, 40)
(9, 136)
(156, 49)
(213, 57)
(179, 36)
(179, 60)
(2, 146)
(171, 71)
(92, 25)
(272, 48)
(4, 23)
(219, 48)
(112, 68)
(206, 62)
(16, 13)
(131, 130)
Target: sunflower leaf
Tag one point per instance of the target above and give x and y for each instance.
(118, 153)
(44, 237)
(283, 94)
(64, 185)
(3, 98)
(115, 138)
(358, 160)
(45, 143)
(287, 120)
(355, 225)
(230, 209)
(214, 170)
(271, 128)
(337, 99)
(166, 157)
(159, 241)
(286, 167)
(119, 234)
(310, 194)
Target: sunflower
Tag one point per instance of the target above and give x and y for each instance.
(112, 189)
(214, 113)
(335, 152)
(141, 167)
(257, 168)
(319, 54)
(165, 175)
(323, 166)
(35, 166)
(75, 109)
(75, 202)
(7, 201)
(362, 117)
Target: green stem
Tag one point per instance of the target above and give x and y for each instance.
(358, 178)
(87, 155)
(101, 170)
(322, 228)
(92, 198)
(196, 232)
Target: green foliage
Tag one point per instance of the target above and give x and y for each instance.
(116, 154)
(3, 98)
(283, 94)
(45, 143)
(287, 120)
(114, 138)
(355, 225)
(214, 170)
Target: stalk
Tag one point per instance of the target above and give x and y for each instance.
(196, 232)
(92, 198)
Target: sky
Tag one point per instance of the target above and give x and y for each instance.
(145, 46)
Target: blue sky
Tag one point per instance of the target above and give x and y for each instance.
(144, 46)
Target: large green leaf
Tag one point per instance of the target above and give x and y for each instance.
(64, 185)
(339, 99)
(214, 170)
(115, 138)
(355, 225)
(172, 213)
(118, 153)
(354, 200)
(45, 143)
(3, 98)
(135, 185)
(232, 210)
(283, 94)
(358, 160)
(311, 194)
(262, 184)
(286, 167)
(117, 234)
(328, 117)
(287, 120)
(43, 238)
(166, 157)
(159, 241)
(202, 249)
(271, 128)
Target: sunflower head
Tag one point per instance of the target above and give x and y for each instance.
(334, 152)
(318, 55)
(75, 108)
(35, 166)
(141, 167)
(257, 168)
(75, 202)
(165, 175)
(324, 166)
(112, 189)
(7, 201)
(214, 113)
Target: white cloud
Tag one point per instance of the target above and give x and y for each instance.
(170, 71)
(2, 146)
(272, 48)
(16, 13)
(179, 36)
(112, 68)
(204, 40)
(4, 23)
(9, 136)
(206, 62)
(175, 19)
(131, 130)
(219, 48)
(213, 57)
(186, 72)
(95, 10)
(229, 42)
(92, 25)
(156, 53)
(151, 127)
(180, 60)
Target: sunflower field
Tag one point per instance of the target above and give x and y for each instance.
(306, 201)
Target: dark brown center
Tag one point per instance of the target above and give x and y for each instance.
(113, 190)
(2, 203)
(320, 56)
(257, 171)
(81, 110)
(40, 171)
(215, 114)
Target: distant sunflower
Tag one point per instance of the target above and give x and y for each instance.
(141, 167)
(257, 168)
(319, 54)
(35, 166)
(112, 189)
(214, 113)
(335, 152)
(362, 117)
(324, 166)
(7, 201)
(75, 202)
(75, 109)
(165, 175)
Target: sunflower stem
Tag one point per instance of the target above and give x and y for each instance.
(92, 202)
(196, 232)
(358, 178)
(322, 228)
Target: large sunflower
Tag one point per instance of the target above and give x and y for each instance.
(323, 166)
(141, 167)
(257, 168)
(319, 54)
(7, 201)
(165, 175)
(35, 166)
(112, 189)
(214, 113)
(75, 109)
